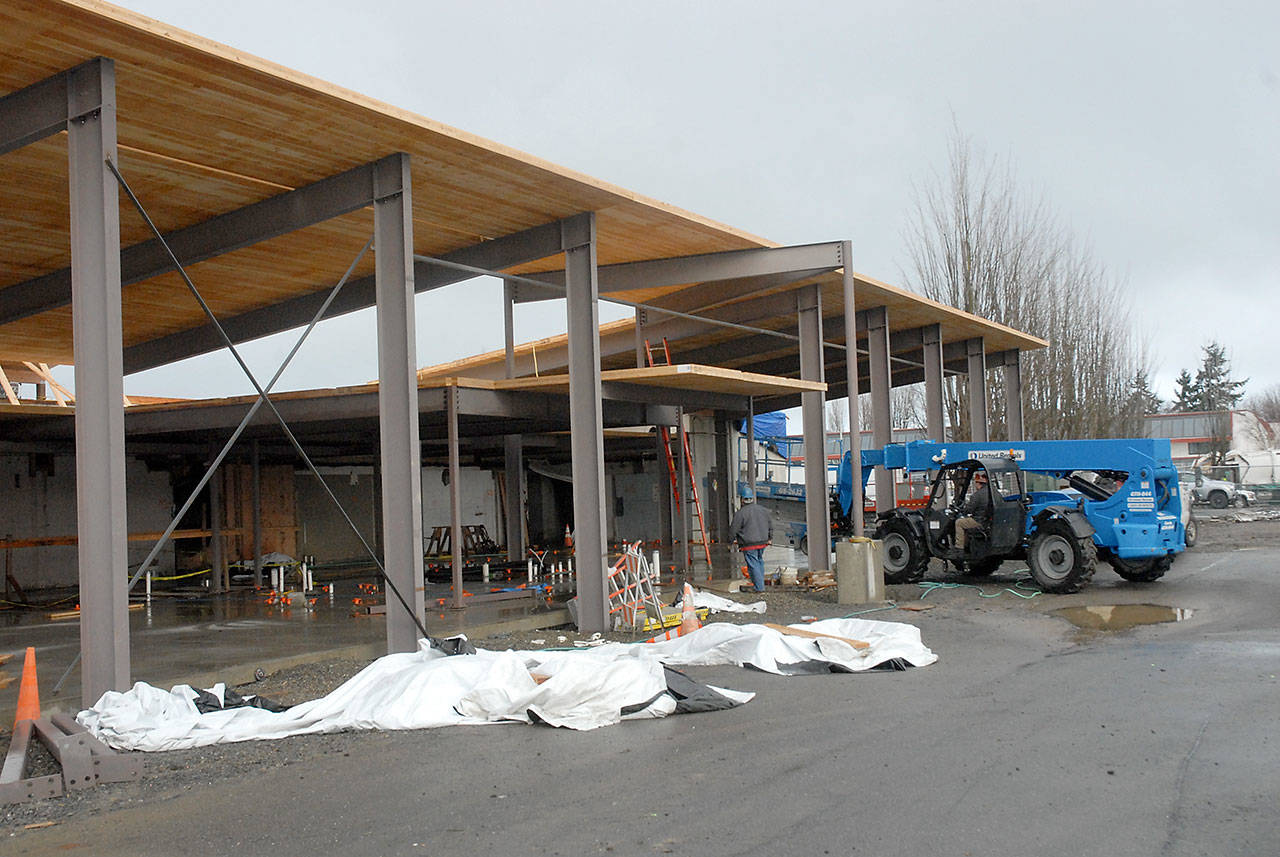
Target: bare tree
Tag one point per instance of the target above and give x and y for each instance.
(1266, 403)
(977, 243)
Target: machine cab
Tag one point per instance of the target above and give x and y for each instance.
(990, 492)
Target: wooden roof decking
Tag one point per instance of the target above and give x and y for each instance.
(205, 129)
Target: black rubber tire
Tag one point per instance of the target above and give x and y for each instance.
(905, 557)
(1141, 570)
(1219, 500)
(1060, 561)
(984, 567)
(1193, 528)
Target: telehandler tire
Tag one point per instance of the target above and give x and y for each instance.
(1141, 570)
(1060, 561)
(905, 556)
(984, 567)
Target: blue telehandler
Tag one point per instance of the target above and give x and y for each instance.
(1120, 504)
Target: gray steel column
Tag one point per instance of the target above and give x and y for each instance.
(585, 420)
(817, 512)
(851, 384)
(455, 496)
(881, 419)
(256, 467)
(975, 349)
(96, 330)
(724, 433)
(1013, 395)
(642, 353)
(934, 421)
(682, 503)
(513, 445)
(401, 455)
(666, 520)
(751, 446)
(217, 554)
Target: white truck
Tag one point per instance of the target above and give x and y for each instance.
(1257, 471)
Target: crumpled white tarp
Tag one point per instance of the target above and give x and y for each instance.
(584, 689)
(716, 604)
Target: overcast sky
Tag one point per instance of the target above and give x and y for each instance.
(1152, 128)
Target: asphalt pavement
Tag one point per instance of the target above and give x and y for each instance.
(1028, 737)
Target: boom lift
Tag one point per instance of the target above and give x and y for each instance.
(1121, 504)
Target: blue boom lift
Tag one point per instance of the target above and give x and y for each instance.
(1121, 504)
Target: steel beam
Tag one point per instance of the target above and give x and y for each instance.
(850, 315)
(234, 230)
(799, 261)
(585, 420)
(977, 389)
(44, 108)
(1013, 397)
(517, 248)
(934, 422)
(99, 419)
(398, 398)
(816, 507)
(881, 424)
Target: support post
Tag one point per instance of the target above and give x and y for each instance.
(851, 386)
(751, 445)
(934, 422)
(666, 519)
(723, 484)
(513, 444)
(976, 352)
(217, 552)
(256, 467)
(585, 419)
(400, 453)
(457, 554)
(817, 511)
(881, 420)
(99, 420)
(682, 503)
(1013, 396)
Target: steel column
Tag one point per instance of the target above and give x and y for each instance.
(682, 502)
(99, 420)
(816, 508)
(513, 445)
(881, 420)
(751, 446)
(217, 556)
(256, 467)
(975, 350)
(724, 434)
(851, 383)
(585, 419)
(398, 398)
(1013, 396)
(455, 496)
(934, 421)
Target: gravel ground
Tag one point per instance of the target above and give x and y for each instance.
(171, 773)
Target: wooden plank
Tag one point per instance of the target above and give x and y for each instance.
(814, 635)
(8, 390)
(685, 376)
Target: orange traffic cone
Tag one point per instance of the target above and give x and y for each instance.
(28, 691)
(689, 622)
(568, 537)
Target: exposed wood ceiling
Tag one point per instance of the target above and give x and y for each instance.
(205, 129)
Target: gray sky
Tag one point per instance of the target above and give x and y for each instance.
(1152, 128)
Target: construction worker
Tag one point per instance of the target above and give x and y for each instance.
(975, 510)
(752, 530)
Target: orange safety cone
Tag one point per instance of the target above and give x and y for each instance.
(28, 691)
(568, 537)
(689, 622)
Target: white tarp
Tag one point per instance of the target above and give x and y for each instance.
(583, 689)
(716, 604)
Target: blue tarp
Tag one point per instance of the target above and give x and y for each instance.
(768, 425)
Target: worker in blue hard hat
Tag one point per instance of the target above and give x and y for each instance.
(752, 531)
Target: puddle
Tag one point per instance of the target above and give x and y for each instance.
(1121, 617)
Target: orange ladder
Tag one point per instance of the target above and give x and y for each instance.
(665, 353)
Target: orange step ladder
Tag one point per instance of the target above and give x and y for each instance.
(665, 354)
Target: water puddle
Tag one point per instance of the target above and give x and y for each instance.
(1121, 617)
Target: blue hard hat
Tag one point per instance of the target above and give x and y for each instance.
(745, 492)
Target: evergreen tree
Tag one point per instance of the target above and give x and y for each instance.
(1215, 389)
(1186, 397)
(1142, 399)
